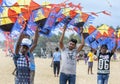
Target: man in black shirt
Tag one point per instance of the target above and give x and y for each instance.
(104, 64)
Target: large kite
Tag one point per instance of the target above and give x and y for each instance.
(49, 17)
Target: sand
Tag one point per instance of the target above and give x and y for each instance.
(44, 73)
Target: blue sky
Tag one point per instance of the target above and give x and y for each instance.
(94, 6)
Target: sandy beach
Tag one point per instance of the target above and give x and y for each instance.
(44, 73)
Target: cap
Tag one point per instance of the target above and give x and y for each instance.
(26, 42)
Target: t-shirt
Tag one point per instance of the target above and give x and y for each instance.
(68, 61)
(22, 61)
(23, 70)
(56, 56)
(91, 56)
(31, 59)
(104, 63)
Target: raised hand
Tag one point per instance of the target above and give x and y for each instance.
(24, 24)
(81, 30)
(64, 27)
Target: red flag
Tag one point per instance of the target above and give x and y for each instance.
(93, 13)
(84, 16)
(46, 11)
(71, 4)
(33, 5)
(72, 13)
(12, 15)
(79, 6)
(91, 29)
(105, 12)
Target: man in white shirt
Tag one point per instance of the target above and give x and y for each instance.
(69, 58)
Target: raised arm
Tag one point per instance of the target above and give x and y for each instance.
(17, 46)
(61, 38)
(35, 40)
(82, 40)
(21, 36)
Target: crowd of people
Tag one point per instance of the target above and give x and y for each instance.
(64, 59)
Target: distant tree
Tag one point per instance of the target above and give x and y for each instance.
(41, 44)
(118, 27)
(112, 27)
(42, 41)
(54, 38)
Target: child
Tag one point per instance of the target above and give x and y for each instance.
(90, 61)
(22, 62)
(104, 64)
(28, 54)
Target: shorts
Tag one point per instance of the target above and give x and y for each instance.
(90, 64)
